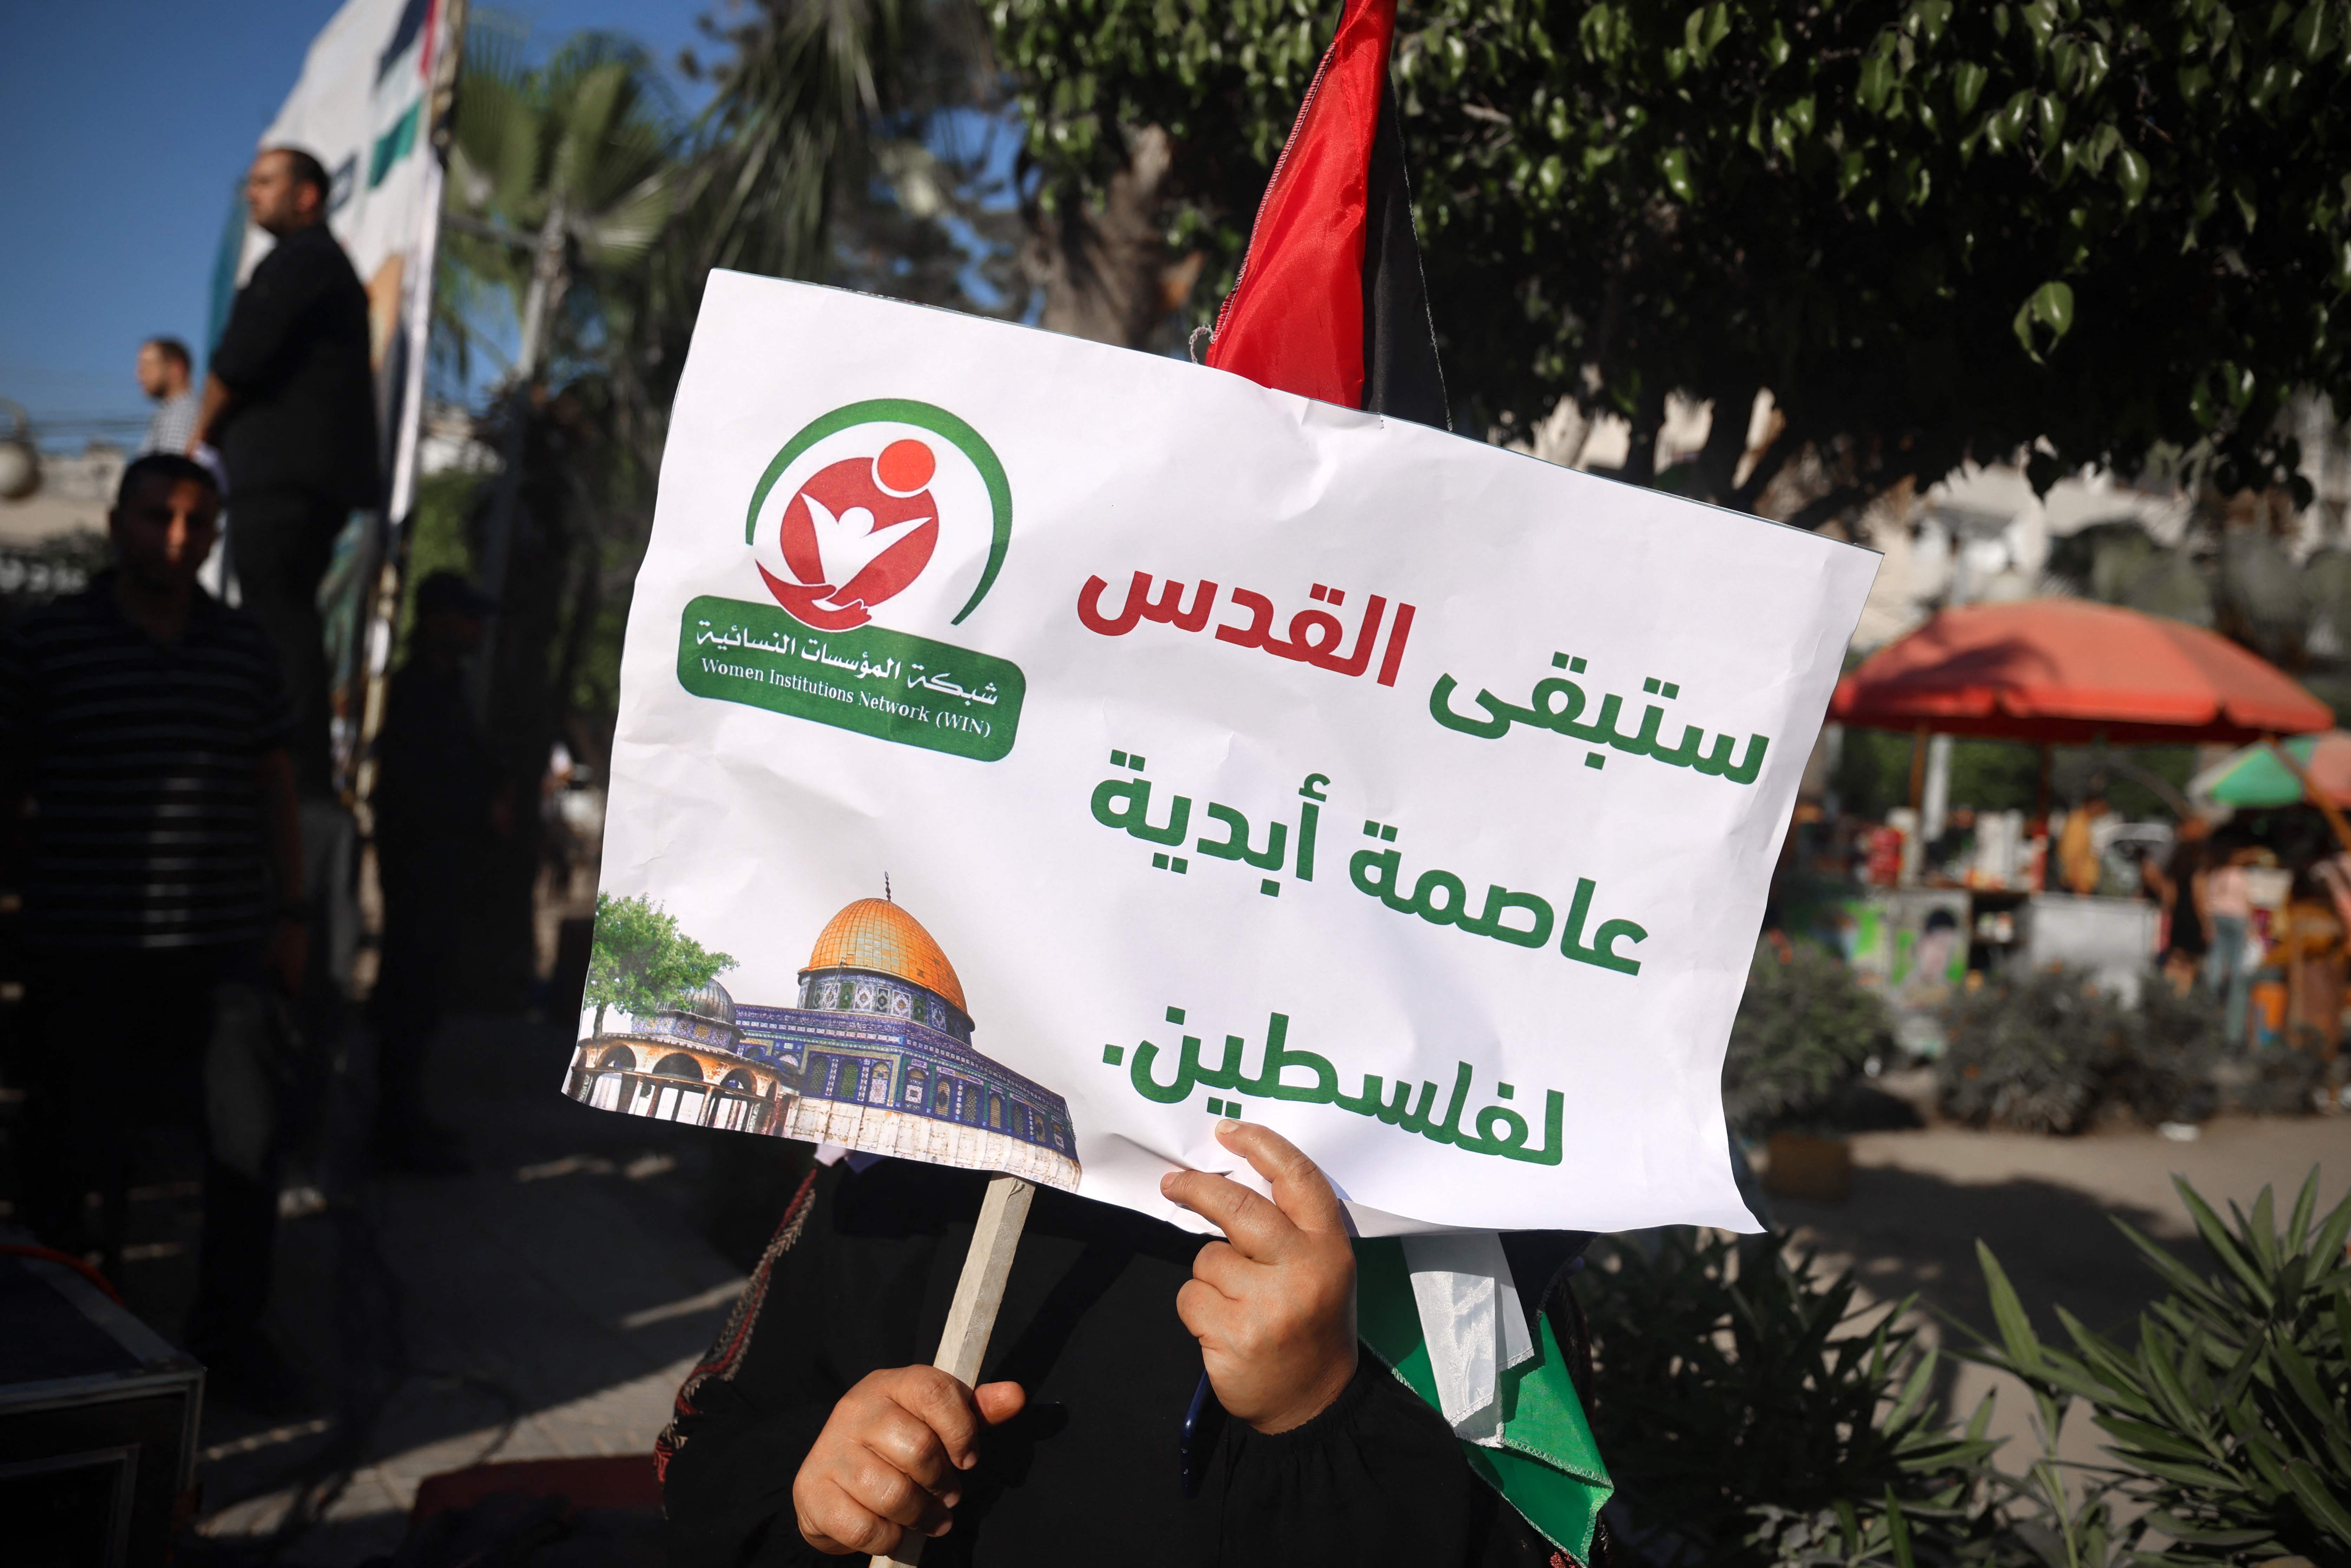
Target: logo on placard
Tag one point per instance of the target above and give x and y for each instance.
(865, 527)
(856, 534)
(873, 520)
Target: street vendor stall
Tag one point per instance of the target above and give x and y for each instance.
(2053, 671)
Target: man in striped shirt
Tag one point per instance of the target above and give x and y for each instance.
(148, 806)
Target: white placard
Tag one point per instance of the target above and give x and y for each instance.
(1529, 921)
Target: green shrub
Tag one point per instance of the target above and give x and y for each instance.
(1803, 1032)
(2048, 1050)
(1752, 1415)
(2165, 1071)
(2032, 1051)
(2228, 1415)
(2278, 1082)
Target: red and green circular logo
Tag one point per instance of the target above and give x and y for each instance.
(888, 502)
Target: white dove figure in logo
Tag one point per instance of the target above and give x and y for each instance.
(848, 544)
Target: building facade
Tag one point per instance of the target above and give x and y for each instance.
(876, 1055)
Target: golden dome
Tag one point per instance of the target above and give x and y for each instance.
(874, 933)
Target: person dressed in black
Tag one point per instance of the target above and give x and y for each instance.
(438, 807)
(145, 725)
(817, 1427)
(2179, 885)
(289, 402)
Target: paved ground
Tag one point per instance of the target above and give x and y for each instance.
(549, 1303)
(546, 1305)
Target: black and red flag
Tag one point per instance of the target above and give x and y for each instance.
(1330, 303)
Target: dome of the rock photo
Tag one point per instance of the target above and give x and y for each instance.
(874, 1053)
(877, 935)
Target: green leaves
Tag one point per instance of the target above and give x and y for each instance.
(1753, 1412)
(1878, 72)
(1704, 30)
(1968, 79)
(1674, 164)
(640, 960)
(2316, 28)
(1748, 194)
(2256, 1461)
(2050, 306)
(2131, 175)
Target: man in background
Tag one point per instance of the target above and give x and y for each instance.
(165, 374)
(439, 807)
(289, 400)
(144, 724)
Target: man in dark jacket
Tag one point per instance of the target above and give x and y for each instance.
(290, 402)
(817, 1427)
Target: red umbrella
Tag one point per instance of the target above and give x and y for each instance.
(2067, 672)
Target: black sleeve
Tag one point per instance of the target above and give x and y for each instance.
(1376, 1479)
(252, 349)
(749, 1415)
(729, 1487)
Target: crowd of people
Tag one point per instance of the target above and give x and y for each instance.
(165, 752)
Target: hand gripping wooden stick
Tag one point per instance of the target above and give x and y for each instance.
(971, 1317)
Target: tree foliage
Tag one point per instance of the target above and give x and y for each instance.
(852, 141)
(641, 960)
(563, 171)
(2101, 230)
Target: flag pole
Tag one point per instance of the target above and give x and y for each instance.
(381, 622)
(971, 1317)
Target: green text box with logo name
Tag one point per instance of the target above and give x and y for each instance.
(888, 685)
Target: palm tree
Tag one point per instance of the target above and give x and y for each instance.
(854, 140)
(558, 173)
(562, 177)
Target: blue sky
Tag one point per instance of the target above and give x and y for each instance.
(124, 127)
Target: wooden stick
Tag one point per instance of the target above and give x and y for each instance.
(971, 1316)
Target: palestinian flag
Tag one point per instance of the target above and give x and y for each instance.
(1331, 304)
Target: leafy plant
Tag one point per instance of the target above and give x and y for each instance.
(1803, 1031)
(2228, 1415)
(2164, 1072)
(640, 959)
(2032, 1051)
(1752, 1414)
(2278, 1082)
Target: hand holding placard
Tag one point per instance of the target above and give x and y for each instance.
(1273, 1307)
(890, 1462)
(885, 1471)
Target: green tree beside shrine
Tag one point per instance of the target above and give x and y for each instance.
(641, 960)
